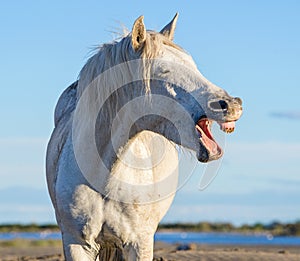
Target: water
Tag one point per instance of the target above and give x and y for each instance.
(226, 238)
(30, 235)
(182, 238)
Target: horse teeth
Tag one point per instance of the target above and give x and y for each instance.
(228, 130)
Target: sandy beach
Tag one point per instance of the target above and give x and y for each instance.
(164, 252)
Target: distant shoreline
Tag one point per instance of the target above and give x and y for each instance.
(275, 228)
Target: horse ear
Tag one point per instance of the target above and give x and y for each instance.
(138, 35)
(169, 29)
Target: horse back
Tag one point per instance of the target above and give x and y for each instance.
(66, 103)
(62, 120)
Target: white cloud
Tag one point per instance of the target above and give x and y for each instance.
(292, 115)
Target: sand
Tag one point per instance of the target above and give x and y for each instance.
(168, 252)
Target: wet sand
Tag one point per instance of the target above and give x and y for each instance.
(164, 252)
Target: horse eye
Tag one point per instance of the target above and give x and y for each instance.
(165, 71)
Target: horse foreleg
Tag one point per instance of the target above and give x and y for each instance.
(145, 250)
(78, 251)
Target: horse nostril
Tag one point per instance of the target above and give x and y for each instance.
(238, 100)
(219, 105)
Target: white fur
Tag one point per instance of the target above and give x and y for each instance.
(108, 202)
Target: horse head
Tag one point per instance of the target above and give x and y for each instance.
(188, 101)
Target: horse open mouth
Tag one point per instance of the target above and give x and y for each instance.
(203, 127)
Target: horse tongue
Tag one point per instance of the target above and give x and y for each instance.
(227, 126)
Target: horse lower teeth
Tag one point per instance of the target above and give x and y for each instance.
(229, 130)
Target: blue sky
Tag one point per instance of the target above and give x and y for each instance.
(249, 48)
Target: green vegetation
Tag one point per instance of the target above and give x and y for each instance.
(275, 228)
(5, 228)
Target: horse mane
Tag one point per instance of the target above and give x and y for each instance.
(98, 89)
(117, 52)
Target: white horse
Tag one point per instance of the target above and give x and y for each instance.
(112, 160)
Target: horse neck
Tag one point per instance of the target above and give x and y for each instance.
(114, 125)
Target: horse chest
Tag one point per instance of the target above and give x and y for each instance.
(141, 186)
